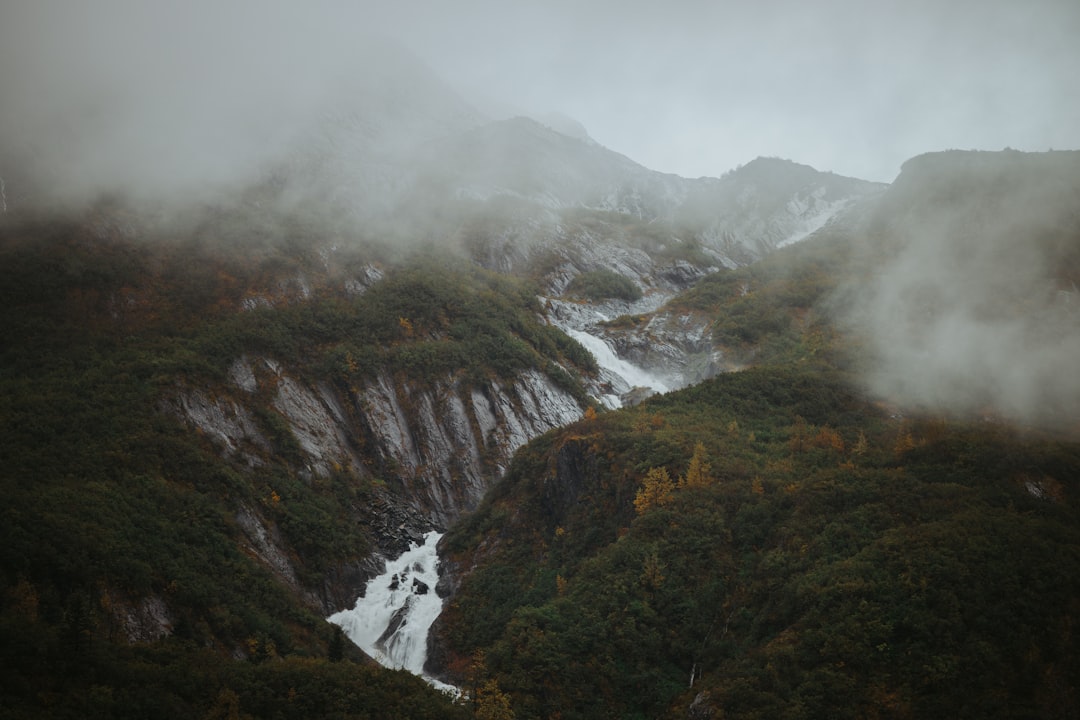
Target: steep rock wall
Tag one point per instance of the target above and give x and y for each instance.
(438, 445)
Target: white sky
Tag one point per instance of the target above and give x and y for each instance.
(683, 86)
(856, 87)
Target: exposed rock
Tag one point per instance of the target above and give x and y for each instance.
(574, 464)
(358, 285)
(396, 621)
(701, 708)
(317, 423)
(143, 621)
(242, 375)
(675, 346)
(395, 523)
(224, 421)
(266, 544)
(447, 444)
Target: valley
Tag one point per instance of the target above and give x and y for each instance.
(563, 435)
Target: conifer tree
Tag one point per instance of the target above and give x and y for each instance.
(697, 473)
(656, 489)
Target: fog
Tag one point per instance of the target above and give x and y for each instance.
(183, 102)
(976, 308)
(169, 99)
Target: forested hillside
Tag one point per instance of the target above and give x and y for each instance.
(769, 544)
(800, 539)
(214, 431)
(148, 563)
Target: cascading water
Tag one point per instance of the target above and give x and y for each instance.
(391, 622)
(606, 358)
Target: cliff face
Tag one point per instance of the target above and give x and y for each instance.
(433, 449)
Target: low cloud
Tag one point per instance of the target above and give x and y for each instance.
(976, 308)
(172, 102)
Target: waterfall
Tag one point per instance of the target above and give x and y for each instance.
(606, 358)
(391, 621)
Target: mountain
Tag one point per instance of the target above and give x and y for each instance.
(736, 219)
(223, 411)
(796, 538)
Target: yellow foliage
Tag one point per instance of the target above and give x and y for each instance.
(829, 438)
(492, 703)
(590, 413)
(652, 571)
(697, 474)
(656, 489)
(904, 442)
(226, 707)
(799, 433)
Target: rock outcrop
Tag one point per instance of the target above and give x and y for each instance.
(439, 444)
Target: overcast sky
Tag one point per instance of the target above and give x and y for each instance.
(684, 86)
(696, 87)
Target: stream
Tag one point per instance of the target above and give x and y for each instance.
(391, 621)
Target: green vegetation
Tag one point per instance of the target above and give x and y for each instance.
(767, 544)
(111, 503)
(604, 285)
(46, 675)
(839, 563)
(776, 310)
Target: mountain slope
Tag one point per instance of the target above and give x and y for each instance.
(829, 559)
(778, 541)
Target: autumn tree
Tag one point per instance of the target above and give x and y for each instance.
(656, 489)
(697, 473)
(492, 703)
(828, 438)
(860, 444)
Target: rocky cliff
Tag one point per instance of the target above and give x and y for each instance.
(432, 448)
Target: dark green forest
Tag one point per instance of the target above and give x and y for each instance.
(110, 500)
(775, 542)
(833, 562)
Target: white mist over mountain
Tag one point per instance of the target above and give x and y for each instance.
(170, 97)
(172, 101)
(976, 308)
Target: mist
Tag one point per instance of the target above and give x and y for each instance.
(180, 103)
(178, 100)
(976, 309)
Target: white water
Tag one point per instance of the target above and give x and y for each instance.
(607, 359)
(391, 622)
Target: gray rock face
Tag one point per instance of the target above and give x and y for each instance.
(441, 445)
(447, 444)
(225, 421)
(317, 423)
(140, 621)
(676, 346)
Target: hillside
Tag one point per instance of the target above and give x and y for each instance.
(209, 448)
(218, 423)
(795, 540)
